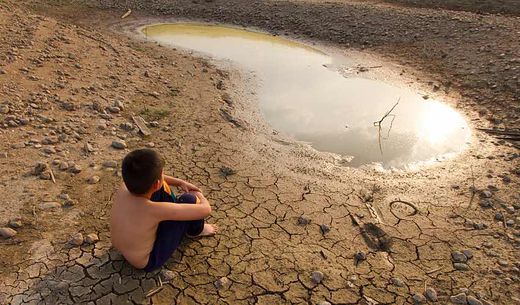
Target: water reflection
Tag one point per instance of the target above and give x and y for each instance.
(301, 97)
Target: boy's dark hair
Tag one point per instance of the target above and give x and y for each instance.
(140, 169)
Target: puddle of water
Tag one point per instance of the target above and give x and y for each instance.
(300, 97)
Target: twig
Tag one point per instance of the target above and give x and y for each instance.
(434, 270)
(378, 124)
(473, 188)
(52, 174)
(126, 14)
(154, 291)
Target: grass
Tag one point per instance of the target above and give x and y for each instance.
(154, 114)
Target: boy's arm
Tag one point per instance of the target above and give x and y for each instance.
(182, 211)
(185, 186)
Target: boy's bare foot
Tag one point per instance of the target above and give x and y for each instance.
(209, 230)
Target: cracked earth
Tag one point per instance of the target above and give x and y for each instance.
(297, 227)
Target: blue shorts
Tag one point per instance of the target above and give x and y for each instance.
(170, 232)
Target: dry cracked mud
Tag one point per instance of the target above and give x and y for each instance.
(297, 227)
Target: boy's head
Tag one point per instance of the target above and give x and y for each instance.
(141, 170)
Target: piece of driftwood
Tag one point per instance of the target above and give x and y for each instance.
(141, 124)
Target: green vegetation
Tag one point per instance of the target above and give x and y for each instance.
(154, 114)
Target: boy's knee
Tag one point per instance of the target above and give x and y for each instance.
(187, 198)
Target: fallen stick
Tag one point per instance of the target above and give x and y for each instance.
(154, 291)
(126, 14)
(52, 174)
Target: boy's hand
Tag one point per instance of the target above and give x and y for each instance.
(188, 187)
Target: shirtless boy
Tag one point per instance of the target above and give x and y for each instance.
(147, 221)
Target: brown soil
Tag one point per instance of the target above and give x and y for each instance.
(284, 209)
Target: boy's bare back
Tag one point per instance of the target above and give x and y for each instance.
(134, 221)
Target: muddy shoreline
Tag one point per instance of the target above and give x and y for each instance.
(479, 59)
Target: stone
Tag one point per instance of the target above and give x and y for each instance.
(7, 232)
(64, 166)
(222, 283)
(460, 298)
(499, 216)
(317, 277)
(324, 303)
(88, 148)
(397, 282)
(15, 223)
(110, 164)
(302, 220)
(458, 257)
(119, 144)
(324, 229)
(76, 239)
(468, 253)
(150, 144)
(486, 194)
(473, 301)
(50, 205)
(114, 109)
(461, 266)
(418, 299)
(154, 124)
(431, 294)
(40, 168)
(93, 180)
(360, 256)
(167, 275)
(75, 169)
(91, 238)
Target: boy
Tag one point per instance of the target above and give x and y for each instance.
(147, 221)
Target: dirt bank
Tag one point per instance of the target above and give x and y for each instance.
(297, 227)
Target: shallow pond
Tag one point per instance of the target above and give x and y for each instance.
(301, 96)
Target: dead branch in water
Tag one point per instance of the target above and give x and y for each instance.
(378, 124)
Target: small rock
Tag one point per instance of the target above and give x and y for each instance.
(302, 220)
(114, 109)
(88, 148)
(76, 239)
(468, 253)
(50, 205)
(119, 144)
(64, 166)
(431, 294)
(486, 194)
(150, 144)
(15, 223)
(91, 238)
(324, 303)
(458, 257)
(324, 229)
(222, 282)
(418, 299)
(110, 164)
(397, 282)
(154, 124)
(499, 216)
(460, 298)
(69, 203)
(167, 275)
(75, 169)
(317, 277)
(360, 256)
(93, 180)
(7, 232)
(486, 203)
(473, 301)
(461, 266)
